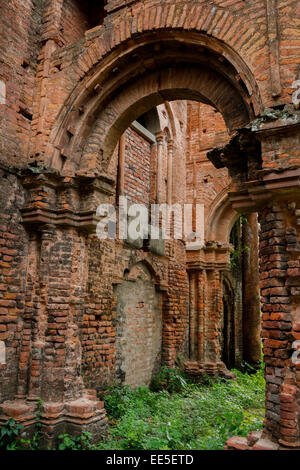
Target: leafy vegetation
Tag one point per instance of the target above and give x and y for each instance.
(193, 416)
(173, 414)
(236, 239)
(9, 435)
(83, 442)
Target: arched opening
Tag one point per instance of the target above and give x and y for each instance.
(118, 91)
(162, 158)
(82, 87)
(130, 124)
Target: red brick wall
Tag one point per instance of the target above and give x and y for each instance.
(74, 21)
(57, 298)
(139, 330)
(175, 314)
(206, 130)
(241, 26)
(20, 22)
(100, 327)
(13, 267)
(137, 168)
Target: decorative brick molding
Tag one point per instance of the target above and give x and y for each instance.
(84, 414)
(61, 201)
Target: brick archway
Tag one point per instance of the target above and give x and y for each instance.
(116, 91)
(68, 94)
(221, 219)
(168, 84)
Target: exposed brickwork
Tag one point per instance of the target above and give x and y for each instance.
(139, 325)
(73, 78)
(137, 168)
(74, 20)
(278, 286)
(206, 130)
(14, 250)
(218, 323)
(19, 43)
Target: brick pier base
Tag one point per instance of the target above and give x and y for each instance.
(84, 414)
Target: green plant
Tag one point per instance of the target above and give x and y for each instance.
(11, 431)
(248, 368)
(82, 442)
(198, 416)
(172, 380)
(236, 239)
(229, 423)
(180, 415)
(34, 443)
(116, 403)
(179, 361)
(9, 435)
(235, 256)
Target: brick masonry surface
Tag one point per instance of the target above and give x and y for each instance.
(213, 83)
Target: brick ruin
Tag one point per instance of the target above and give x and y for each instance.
(161, 101)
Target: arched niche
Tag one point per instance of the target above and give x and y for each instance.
(138, 327)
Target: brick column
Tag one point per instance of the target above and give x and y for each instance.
(205, 323)
(251, 297)
(213, 364)
(29, 314)
(159, 174)
(193, 316)
(49, 378)
(170, 171)
(280, 281)
(121, 166)
(266, 180)
(39, 316)
(201, 303)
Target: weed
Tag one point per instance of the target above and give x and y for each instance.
(9, 435)
(181, 415)
(82, 442)
(175, 414)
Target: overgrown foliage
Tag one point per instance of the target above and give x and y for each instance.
(236, 239)
(83, 442)
(193, 416)
(9, 434)
(172, 380)
(173, 414)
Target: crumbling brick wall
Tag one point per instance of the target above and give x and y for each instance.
(19, 44)
(206, 130)
(70, 95)
(14, 262)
